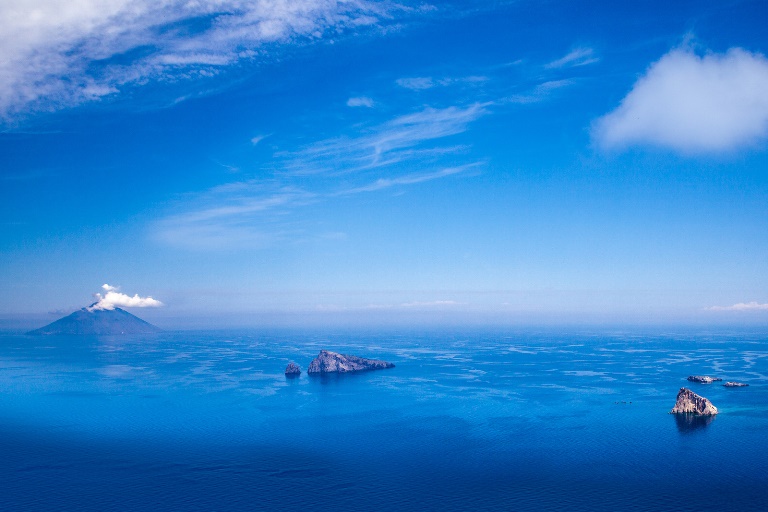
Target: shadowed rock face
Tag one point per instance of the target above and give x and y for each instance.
(703, 379)
(689, 402)
(98, 322)
(331, 362)
(292, 370)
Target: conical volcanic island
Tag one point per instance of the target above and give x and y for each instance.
(98, 321)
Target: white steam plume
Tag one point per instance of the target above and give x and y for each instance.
(113, 298)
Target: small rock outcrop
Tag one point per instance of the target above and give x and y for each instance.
(331, 362)
(689, 402)
(292, 370)
(703, 379)
(735, 384)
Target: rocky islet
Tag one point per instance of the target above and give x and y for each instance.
(689, 402)
(332, 362)
(703, 379)
(292, 370)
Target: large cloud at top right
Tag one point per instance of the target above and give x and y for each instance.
(717, 103)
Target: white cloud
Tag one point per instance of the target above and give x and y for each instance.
(741, 306)
(56, 53)
(113, 299)
(693, 104)
(576, 57)
(360, 101)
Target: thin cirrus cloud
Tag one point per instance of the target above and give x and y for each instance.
(257, 213)
(539, 93)
(741, 306)
(235, 215)
(400, 139)
(693, 104)
(409, 179)
(576, 57)
(422, 83)
(58, 54)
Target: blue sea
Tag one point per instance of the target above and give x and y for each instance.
(479, 420)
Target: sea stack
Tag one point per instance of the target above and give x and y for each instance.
(689, 402)
(703, 379)
(735, 385)
(331, 362)
(292, 370)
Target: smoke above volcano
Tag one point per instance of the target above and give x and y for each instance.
(113, 298)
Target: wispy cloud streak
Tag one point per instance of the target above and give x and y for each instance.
(741, 306)
(539, 93)
(241, 214)
(263, 212)
(576, 57)
(410, 179)
(386, 144)
(422, 83)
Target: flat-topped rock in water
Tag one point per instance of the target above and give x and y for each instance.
(292, 370)
(689, 402)
(735, 385)
(703, 379)
(331, 362)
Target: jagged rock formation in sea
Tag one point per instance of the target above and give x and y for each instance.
(95, 321)
(331, 362)
(703, 379)
(292, 370)
(730, 384)
(689, 402)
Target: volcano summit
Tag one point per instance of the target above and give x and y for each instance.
(92, 320)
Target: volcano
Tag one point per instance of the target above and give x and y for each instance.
(91, 320)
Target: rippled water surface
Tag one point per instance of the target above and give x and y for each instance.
(466, 421)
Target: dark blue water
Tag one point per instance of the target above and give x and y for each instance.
(471, 421)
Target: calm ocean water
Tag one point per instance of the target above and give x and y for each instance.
(466, 421)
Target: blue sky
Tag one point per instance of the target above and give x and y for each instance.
(269, 162)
